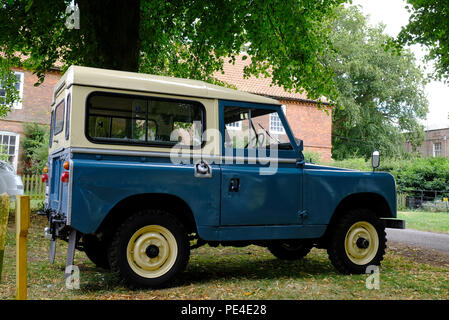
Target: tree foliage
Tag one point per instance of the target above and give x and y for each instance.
(381, 94)
(185, 38)
(428, 25)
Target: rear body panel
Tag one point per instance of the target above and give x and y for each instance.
(59, 193)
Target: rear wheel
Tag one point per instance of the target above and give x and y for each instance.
(96, 250)
(149, 249)
(357, 241)
(289, 249)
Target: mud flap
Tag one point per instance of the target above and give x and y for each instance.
(70, 254)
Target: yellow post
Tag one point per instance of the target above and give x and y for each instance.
(22, 225)
(5, 200)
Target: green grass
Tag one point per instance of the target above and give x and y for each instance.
(426, 221)
(225, 273)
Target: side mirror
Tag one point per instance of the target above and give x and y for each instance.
(375, 160)
(300, 144)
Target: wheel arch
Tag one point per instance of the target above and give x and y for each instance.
(129, 205)
(372, 201)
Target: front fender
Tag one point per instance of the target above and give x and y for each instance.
(325, 189)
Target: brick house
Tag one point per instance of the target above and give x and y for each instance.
(34, 107)
(308, 123)
(436, 144)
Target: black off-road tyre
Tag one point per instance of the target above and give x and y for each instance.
(289, 249)
(96, 251)
(149, 239)
(347, 248)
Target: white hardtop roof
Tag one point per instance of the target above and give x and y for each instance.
(113, 79)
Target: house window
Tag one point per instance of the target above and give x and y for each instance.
(9, 147)
(276, 123)
(19, 87)
(437, 149)
(234, 125)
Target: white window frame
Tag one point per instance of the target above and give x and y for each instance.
(282, 129)
(16, 147)
(234, 125)
(437, 150)
(18, 104)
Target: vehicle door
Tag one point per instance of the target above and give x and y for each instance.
(261, 183)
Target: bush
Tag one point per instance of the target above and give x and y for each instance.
(353, 163)
(410, 174)
(422, 174)
(311, 155)
(35, 147)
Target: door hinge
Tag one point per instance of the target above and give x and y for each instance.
(302, 215)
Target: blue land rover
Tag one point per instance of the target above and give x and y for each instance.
(143, 168)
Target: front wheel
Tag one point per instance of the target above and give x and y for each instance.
(149, 249)
(357, 240)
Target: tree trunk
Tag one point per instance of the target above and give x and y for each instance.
(113, 26)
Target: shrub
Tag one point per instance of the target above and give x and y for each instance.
(410, 174)
(353, 163)
(35, 146)
(311, 155)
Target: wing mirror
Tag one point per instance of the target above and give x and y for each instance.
(375, 159)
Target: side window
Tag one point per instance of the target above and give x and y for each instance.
(254, 125)
(138, 120)
(58, 123)
(52, 121)
(67, 117)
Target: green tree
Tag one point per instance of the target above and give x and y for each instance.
(381, 94)
(428, 25)
(188, 38)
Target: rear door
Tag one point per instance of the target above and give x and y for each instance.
(57, 192)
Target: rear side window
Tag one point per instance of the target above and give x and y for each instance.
(114, 118)
(67, 118)
(58, 123)
(50, 142)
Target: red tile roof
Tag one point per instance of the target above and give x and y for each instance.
(234, 75)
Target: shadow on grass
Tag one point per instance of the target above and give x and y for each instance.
(254, 269)
(223, 269)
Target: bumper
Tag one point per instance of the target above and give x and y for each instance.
(393, 223)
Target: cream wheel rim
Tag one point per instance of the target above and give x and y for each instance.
(152, 251)
(361, 243)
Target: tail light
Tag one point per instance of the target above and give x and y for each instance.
(45, 178)
(65, 177)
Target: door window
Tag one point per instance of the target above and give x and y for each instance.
(254, 129)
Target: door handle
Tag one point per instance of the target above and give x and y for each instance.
(234, 185)
(203, 170)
